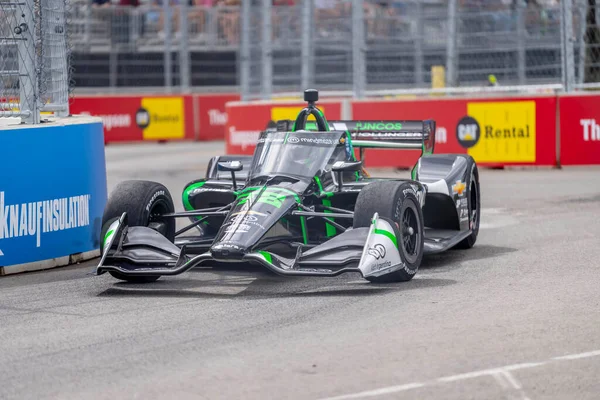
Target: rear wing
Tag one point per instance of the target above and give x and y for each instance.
(411, 135)
(417, 135)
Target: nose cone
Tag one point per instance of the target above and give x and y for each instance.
(227, 252)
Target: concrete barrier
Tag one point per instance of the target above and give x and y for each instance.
(52, 193)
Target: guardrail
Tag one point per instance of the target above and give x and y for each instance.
(560, 129)
(50, 206)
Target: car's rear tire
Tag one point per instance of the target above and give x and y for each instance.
(144, 202)
(398, 202)
(474, 203)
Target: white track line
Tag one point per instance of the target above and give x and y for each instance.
(379, 392)
(578, 356)
(510, 384)
(502, 375)
(515, 367)
(514, 383)
(468, 375)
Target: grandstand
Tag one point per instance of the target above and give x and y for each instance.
(124, 44)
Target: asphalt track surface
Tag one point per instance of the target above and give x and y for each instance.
(516, 317)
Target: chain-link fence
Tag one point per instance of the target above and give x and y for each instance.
(154, 45)
(18, 82)
(34, 58)
(586, 48)
(371, 46)
(274, 47)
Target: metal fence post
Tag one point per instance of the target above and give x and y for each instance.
(166, 8)
(451, 45)
(87, 25)
(28, 77)
(184, 52)
(245, 52)
(581, 11)
(54, 64)
(567, 44)
(521, 33)
(419, 44)
(306, 48)
(358, 49)
(267, 51)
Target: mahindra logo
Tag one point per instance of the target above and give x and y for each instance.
(238, 228)
(591, 130)
(247, 218)
(377, 251)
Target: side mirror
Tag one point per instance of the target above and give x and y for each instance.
(233, 167)
(342, 166)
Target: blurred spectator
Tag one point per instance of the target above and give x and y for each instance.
(328, 8)
(199, 17)
(229, 19)
(326, 12)
(175, 15)
(123, 18)
(286, 24)
(100, 3)
(492, 80)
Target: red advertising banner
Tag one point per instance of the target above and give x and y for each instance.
(117, 113)
(212, 115)
(137, 118)
(496, 132)
(579, 130)
(246, 121)
(444, 112)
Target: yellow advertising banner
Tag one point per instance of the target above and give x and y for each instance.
(161, 118)
(279, 113)
(506, 131)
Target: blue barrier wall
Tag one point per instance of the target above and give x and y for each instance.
(52, 190)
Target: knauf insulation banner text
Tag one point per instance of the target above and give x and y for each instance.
(52, 198)
(35, 218)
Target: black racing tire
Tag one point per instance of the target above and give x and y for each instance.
(398, 202)
(474, 203)
(144, 202)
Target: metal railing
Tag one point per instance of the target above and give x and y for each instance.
(34, 59)
(355, 47)
(371, 47)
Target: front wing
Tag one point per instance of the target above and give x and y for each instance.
(141, 251)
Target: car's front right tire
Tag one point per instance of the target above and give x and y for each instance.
(398, 202)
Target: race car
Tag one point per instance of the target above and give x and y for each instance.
(301, 205)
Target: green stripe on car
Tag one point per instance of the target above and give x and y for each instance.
(186, 194)
(266, 255)
(390, 235)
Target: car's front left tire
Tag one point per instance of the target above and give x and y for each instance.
(144, 202)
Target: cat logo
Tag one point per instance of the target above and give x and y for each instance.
(468, 132)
